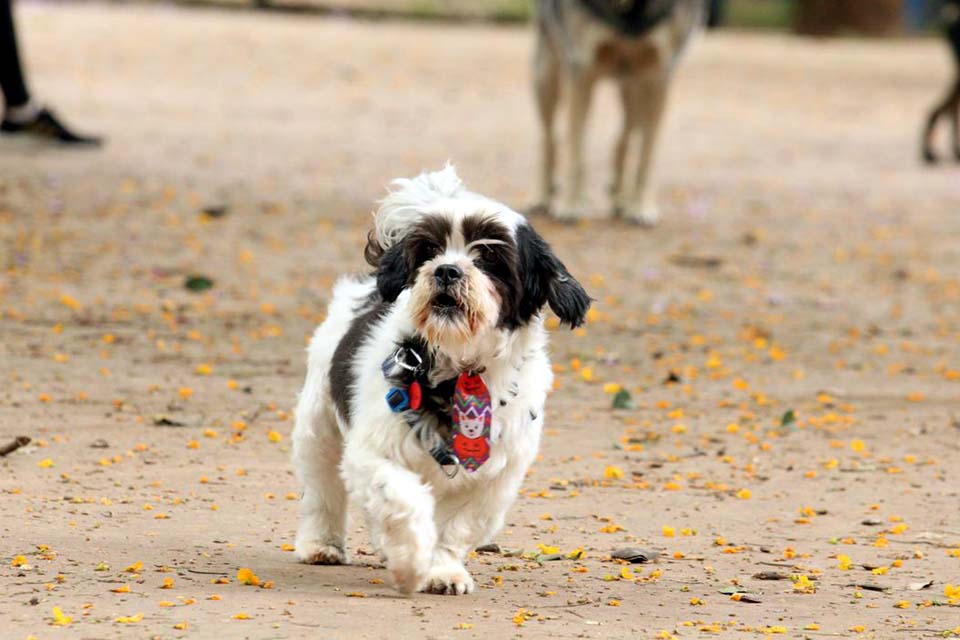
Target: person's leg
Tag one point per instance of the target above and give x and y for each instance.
(12, 83)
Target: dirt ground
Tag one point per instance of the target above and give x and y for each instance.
(806, 263)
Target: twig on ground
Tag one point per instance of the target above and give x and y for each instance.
(939, 545)
(10, 447)
(208, 573)
(566, 606)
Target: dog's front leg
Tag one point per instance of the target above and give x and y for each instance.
(580, 80)
(621, 189)
(400, 506)
(955, 120)
(546, 72)
(464, 522)
(651, 96)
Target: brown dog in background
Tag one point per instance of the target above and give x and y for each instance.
(638, 43)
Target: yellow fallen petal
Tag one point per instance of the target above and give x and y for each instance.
(247, 577)
(59, 619)
(613, 472)
(70, 302)
(129, 619)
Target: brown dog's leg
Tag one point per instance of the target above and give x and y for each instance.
(652, 98)
(955, 120)
(546, 71)
(618, 189)
(948, 106)
(581, 83)
(929, 156)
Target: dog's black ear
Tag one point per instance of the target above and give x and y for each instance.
(392, 272)
(545, 280)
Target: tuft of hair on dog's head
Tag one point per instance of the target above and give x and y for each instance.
(471, 264)
(404, 205)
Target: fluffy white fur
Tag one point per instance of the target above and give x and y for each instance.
(410, 199)
(423, 522)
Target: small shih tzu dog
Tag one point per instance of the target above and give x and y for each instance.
(423, 401)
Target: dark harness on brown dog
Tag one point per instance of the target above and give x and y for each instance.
(631, 17)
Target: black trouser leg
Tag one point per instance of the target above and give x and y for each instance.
(11, 73)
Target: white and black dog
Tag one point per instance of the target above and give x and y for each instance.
(425, 387)
(638, 43)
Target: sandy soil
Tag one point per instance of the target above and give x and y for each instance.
(806, 263)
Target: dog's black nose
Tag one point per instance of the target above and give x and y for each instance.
(447, 274)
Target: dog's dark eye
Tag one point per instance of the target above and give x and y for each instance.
(424, 251)
(486, 256)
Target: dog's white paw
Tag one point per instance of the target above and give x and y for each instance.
(569, 213)
(451, 580)
(407, 578)
(647, 215)
(316, 552)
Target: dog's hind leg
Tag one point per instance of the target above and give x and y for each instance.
(546, 72)
(651, 94)
(580, 85)
(317, 449)
(929, 155)
(955, 120)
(618, 189)
(947, 107)
(953, 36)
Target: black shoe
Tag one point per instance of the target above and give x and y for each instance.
(46, 125)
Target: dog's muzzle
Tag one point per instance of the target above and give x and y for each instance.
(447, 277)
